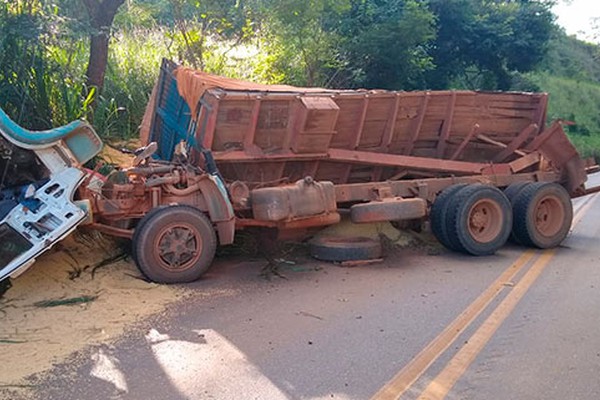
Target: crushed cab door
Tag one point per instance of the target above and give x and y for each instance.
(33, 219)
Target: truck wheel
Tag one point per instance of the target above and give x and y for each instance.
(439, 210)
(511, 192)
(479, 220)
(543, 215)
(174, 244)
(345, 248)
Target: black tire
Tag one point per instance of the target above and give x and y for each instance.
(138, 229)
(438, 213)
(511, 192)
(345, 249)
(543, 215)
(479, 220)
(174, 244)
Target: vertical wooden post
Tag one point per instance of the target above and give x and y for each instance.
(355, 141)
(446, 127)
(251, 133)
(296, 120)
(361, 124)
(391, 125)
(418, 123)
(474, 131)
(540, 113)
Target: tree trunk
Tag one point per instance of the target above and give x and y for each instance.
(102, 14)
(98, 61)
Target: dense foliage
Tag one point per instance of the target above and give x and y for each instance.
(54, 66)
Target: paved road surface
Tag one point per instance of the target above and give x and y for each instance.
(522, 324)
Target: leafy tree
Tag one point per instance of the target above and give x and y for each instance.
(201, 22)
(490, 38)
(386, 42)
(301, 40)
(350, 43)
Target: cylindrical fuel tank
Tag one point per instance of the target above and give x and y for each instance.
(305, 198)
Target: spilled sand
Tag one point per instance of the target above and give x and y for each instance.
(37, 330)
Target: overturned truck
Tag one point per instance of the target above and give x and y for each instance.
(224, 155)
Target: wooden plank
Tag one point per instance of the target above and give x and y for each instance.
(466, 141)
(445, 133)
(243, 157)
(401, 161)
(418, 124)
(524, 162)
(486, 139)
(391, 125)
(516, 143)
(359, 128)
(541, 112)
(251, 132)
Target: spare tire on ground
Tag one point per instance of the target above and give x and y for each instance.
(341, 249)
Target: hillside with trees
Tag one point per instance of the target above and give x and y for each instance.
(98, 59)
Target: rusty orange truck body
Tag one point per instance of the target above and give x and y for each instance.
(223, 155)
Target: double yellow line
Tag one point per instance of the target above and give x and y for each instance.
(439, 387)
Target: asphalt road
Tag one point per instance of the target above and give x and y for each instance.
(521, 324)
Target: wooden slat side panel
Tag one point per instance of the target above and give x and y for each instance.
(233, 119)
(348, 121)
(408, 112)
(272, 126)
(378, 112)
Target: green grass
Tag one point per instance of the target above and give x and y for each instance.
(577, 101)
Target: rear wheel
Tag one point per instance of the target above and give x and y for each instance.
(439, 210)
(174, 244)
(511, 192)
(543, 215)
(479, 220)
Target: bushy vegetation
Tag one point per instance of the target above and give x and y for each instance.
(45, 52)
(571, 74)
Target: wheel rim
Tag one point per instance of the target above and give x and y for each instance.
(549, 215)
(485, 221)
(178, 247)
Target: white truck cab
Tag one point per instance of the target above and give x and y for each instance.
(39, 175)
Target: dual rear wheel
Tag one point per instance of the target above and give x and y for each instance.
(478, 219)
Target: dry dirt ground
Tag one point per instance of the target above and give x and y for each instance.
(70, 299)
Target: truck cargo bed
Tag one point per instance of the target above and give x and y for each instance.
(266, 135)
